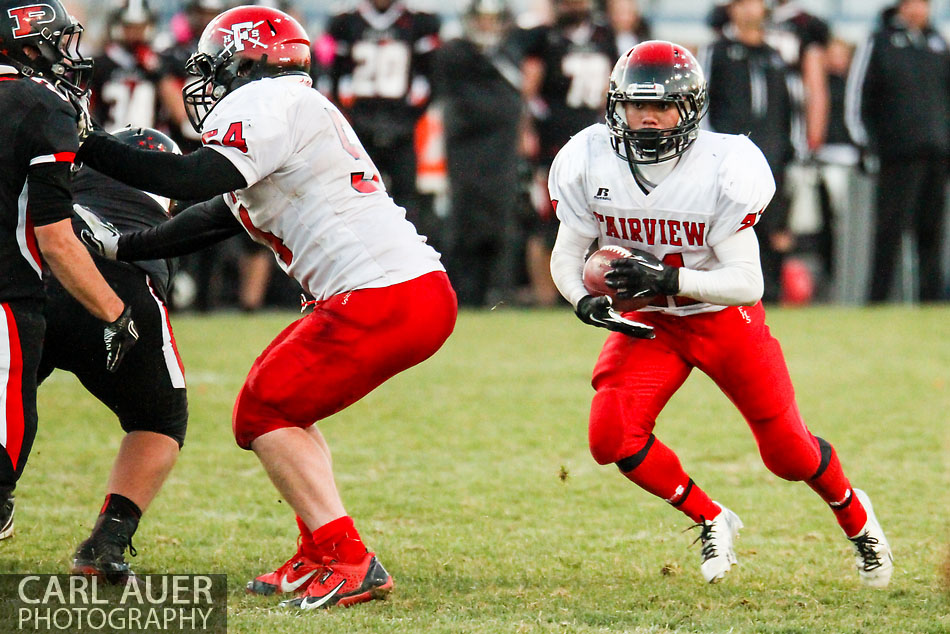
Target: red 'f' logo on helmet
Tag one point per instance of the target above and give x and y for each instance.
(26, 20)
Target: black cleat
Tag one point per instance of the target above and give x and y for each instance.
(103, 555)
(6, 516)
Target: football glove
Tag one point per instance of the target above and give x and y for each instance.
(84, 125)
(597, 311)
(100, 236)
(119, 336)
(642, 275)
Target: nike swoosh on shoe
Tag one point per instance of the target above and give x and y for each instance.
(310, 603)
(293, 586)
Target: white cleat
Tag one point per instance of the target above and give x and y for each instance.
(873, 557)
(717, 537)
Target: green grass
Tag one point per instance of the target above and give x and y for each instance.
(471, 478)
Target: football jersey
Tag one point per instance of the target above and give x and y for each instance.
(38, 125)
(124, 88)
(382, 67)
(720, 186)
(576, 75)
(313, 195)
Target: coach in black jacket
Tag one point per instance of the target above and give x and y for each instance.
(898, 108)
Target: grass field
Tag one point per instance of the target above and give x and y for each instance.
(471, 478)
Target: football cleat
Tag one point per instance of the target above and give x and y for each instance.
(717, 537)
(873, 557)
(6, 516)
(103, 556)
(292, 576)
(344, 584)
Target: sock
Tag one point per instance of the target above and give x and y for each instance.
(306, 537)
(119, 506)
(831, 484)
(659, 472)
(338, 540)
(118, 516)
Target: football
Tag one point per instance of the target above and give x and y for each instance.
(597, 266)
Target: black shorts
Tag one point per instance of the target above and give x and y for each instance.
(147, 392)
(21, 338)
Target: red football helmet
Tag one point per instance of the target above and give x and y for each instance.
(241, 45)
(656, 71)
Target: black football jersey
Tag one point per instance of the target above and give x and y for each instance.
(576, 75)
(127, 208)
(124, 87)
(382, 68)
(37, 125)
(793, 32)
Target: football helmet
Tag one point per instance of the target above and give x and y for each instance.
(150, 139)
(42, 39)
(656, 71)
(241, 45)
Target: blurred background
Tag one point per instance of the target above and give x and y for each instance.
(463, 104)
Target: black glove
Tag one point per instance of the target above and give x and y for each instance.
(642, 275)
(597, 311)
(119, 336)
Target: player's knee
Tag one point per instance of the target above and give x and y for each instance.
(175, 428)
(611, 434)
(794, 459)
(252, 418)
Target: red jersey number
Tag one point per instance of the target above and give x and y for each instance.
(358, 180)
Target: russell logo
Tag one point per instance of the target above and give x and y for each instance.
(602, 193)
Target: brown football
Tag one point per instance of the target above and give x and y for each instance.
(597, 266)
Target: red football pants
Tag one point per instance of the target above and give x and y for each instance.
(634, 379)
(345, 348)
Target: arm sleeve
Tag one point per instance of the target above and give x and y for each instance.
(197, 176)
(50, 199)
(193, 229)
(567, 263)
(738, 281)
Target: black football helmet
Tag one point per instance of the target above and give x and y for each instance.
(42, 39)
(241, 45)
(150, 139)
(147, 139)
(656, 71)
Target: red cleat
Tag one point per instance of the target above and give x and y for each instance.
(292, 577)
(345, 584)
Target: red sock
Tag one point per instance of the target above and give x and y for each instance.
(339, 540)
(833, 487)
(306, 537)
(661, 474)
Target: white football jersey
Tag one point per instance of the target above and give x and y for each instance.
(313, 195)
(721, 185)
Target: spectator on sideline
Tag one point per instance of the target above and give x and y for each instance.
(629, 25)
(749, 94)
(478, 86)
(565, 69)
(898, 110)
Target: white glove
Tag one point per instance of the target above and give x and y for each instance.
(83, 118)
(101, 236)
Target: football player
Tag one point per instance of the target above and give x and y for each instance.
(381, 78)
(280, 161)
(565, 68)
(687, 201)
(42, 81)
(124, 89)
(147, 392)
